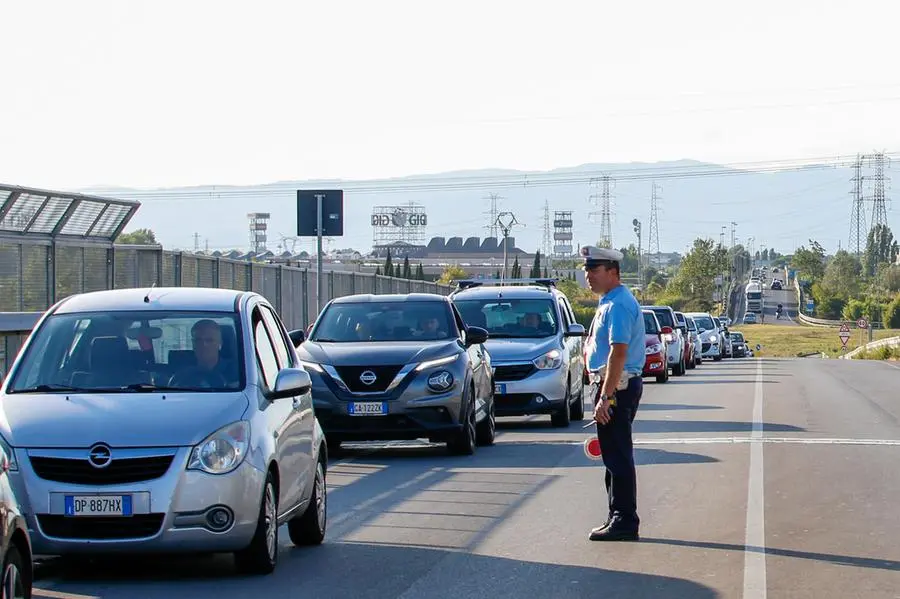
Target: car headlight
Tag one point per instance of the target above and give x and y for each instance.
(552, 359)
(440, 381)
(311, 366)
(438, 362)
(10, 454)
(713, 338)
(222, 451)
(654, 349)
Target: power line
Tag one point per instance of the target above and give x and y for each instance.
(451, 183)
(858, 210)
(492, 213)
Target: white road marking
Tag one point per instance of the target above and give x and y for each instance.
(755, 533)
(761, 440)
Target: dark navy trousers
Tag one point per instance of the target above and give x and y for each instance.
(618, 455)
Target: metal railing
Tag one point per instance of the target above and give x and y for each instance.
(35, 274)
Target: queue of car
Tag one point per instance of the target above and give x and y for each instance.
(192, 420)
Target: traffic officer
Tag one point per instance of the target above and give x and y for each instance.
(615, 357)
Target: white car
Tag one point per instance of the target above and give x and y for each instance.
(710, 339)
(674, 339)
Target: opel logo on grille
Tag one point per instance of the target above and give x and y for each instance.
(100, 455)
(368, 377)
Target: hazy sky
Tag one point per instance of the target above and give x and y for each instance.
(167, 93)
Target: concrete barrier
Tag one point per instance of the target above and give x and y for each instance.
(889, 342)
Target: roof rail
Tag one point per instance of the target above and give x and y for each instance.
(469, 283)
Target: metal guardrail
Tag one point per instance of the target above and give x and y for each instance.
(808, 320)
(35, 274)
(889, 342)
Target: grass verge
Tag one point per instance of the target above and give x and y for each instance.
(779, 341)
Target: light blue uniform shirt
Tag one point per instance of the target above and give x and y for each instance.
(618, 320)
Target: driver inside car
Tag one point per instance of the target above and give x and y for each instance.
(210, 370)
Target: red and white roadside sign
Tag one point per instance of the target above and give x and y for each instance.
(844, 333)
(862, 323)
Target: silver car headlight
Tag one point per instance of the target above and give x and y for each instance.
(10, 454)
(222, 451)
(552, 359)
(713, 338)
(654, 349)
(311, 366)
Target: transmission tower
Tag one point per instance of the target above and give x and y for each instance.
(879, 208)
(547, 241)
(492, 214)
(653, 237)
(858, 212)
(604, 199)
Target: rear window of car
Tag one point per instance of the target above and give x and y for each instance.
(665, 317)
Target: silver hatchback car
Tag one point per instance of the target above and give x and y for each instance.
(168, 420)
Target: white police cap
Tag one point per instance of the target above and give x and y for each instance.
(595, 256)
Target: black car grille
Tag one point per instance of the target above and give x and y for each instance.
(101, 527)
(119, 471)
(513, 372)
(383, 377)
(705, 346)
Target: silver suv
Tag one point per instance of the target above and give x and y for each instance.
(534, 343)
(168, 420)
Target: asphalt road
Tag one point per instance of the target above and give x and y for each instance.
(787, 297)
(757, 478)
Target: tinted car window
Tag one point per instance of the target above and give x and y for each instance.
(510, 318)
(650, 323)
(665, 318)
(692, 326)
(196, 351)
(389, 321)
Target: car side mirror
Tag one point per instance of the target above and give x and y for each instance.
(475, 335)
(576, 330)
(297, 337)
(702, 330)
(666, 330)
(291, 382)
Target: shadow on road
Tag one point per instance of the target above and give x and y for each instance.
(747, 381)
(707, 426)
(665, 407)
(378, 571)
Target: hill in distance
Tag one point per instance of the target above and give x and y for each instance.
(781, 209)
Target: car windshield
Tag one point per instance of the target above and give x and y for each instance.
(704, 322)
(356, 322)
(665, 318)
(692, 326)
(510, 318)
(737, 337)
(650, 323)
(133, 352)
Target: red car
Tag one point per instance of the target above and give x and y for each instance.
(655, 362)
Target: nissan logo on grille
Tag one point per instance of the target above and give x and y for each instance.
(100, 456)
(368, 377)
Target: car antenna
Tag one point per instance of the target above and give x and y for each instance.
(147, 297)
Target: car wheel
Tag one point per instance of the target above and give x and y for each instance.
(563, 417)
(576, 413)
(464, 441)
(486, 430)
(261, 556)
(16, 578)
(309, 529)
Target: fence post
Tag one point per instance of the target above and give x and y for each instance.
(304, 296)
(51, 273)
(279, 278)
(177, 267)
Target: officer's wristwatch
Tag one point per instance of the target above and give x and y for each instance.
(603, 397)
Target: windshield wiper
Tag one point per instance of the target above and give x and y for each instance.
(325, 340)
(50, 387)
(150, 387)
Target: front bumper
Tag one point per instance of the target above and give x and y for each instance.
(654, 365)
(408, 411)
(521, 389)
(168, 513)
(710, 350)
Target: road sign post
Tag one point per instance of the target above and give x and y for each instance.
(844, 334)
(320, 213)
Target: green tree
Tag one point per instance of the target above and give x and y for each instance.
(536, 266)
(388, 265)
(881, 248)
(452, 273)
(695, 279)
(810, 262)
(420, 272)
(516, 269)
(407, 273)
(138, 237)
(842, 276)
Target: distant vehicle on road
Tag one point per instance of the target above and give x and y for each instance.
(536, 346)
(164, 420)
(655, 340)
(738, 344)
(753, 295)
(749, 318)
(404, 366)
(710, 338)
(674, 339)
(695, 340)
(689, 348)
(776, 285)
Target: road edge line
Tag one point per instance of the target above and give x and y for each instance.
(755, 531)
